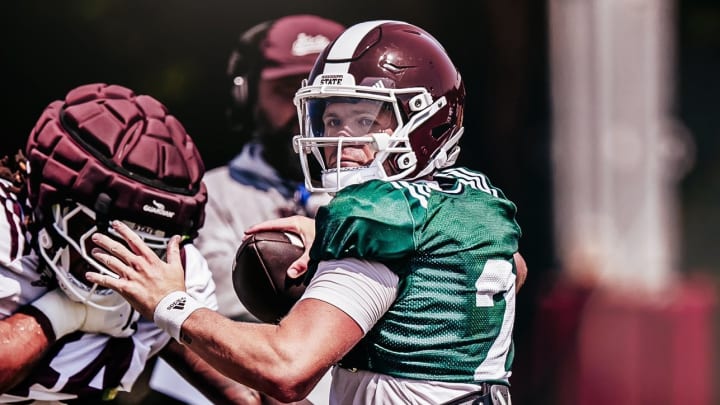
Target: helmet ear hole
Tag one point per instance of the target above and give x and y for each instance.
(239, 91)
(244, 67)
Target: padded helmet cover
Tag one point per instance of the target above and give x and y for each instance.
(106, 139)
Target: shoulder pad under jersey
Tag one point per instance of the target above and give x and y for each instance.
(373, 220)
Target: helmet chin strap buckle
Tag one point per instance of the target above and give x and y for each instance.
(447, 155)
(406, 160)
(440, 159)
(420, 102)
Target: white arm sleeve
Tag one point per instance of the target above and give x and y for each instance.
(362, 289)
(199, 283)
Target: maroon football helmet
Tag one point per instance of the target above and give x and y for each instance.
(105, 153)
(401, 70)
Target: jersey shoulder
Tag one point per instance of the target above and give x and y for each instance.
(470, 179)
(476, 188)
(375, 220)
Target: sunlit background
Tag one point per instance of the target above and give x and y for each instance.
(599, 118)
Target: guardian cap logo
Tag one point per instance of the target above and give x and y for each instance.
(158, 208)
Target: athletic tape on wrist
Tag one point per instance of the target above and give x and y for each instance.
(65, 316)
(173, 310)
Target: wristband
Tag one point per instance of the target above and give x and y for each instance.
(173, 310)
(65, 315)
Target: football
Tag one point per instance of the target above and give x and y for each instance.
(259, 274)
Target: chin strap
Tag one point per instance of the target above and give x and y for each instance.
(446, 156)
(450, 150)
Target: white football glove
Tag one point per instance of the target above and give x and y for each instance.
(67, 316)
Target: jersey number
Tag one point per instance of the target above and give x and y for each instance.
(497, 277)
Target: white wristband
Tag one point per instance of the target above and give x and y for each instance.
(173, 310)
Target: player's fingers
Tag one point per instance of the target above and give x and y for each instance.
(299, 266)
(133, 240)
(111, 246)
(112, 262)
(277, 224)
(173, 251)
(104, 280)
(297, 224)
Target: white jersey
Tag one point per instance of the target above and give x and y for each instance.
(79, 364)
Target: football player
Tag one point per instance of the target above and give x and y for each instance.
(101, 154)
(413, 265)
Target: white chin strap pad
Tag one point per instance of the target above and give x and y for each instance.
(339, 179)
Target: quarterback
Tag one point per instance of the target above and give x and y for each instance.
(412, 267)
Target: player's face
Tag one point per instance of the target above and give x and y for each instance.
(275, 104)
(276, 121)
(352, 119)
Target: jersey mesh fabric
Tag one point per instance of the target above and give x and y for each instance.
(452, 249)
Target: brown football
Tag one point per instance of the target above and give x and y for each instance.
(259, 274)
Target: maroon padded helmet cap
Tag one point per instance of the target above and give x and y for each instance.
(106, 140)
(293, 43)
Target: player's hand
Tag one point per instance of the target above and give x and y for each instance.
(303, 226)
(121, 322)
(144, 278)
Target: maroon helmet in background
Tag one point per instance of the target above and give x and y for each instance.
(404, 70)
(273, 49)
(105, 153)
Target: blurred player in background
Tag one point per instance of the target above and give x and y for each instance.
(265, 180)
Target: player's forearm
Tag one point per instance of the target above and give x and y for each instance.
(24, 341)
(253, 354)
(218, 388)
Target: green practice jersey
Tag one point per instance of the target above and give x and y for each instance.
(452, 247)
